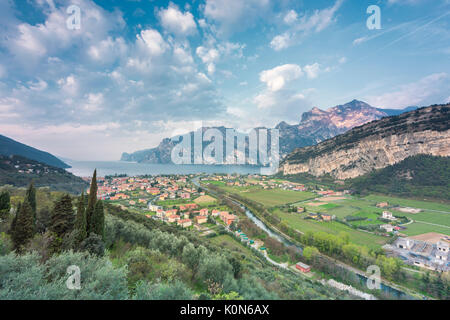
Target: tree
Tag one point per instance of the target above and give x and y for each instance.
(43, 220)
(93, 244)
(310, 253)
(23, 227)
(97, 225)
(91, 201)
(30, 196)
(62, 221)
(5, 204)
(80, 220)
(192, 256)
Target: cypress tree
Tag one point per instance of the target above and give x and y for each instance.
(80, 221)
(62, 221)
(30, 197)
(5, 204)
(98, 220)
(22, 228)
(91, 201)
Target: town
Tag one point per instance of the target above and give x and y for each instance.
(178, 201)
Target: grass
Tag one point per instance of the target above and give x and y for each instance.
(228, 242)
(270, 197)
(417, 228)
(172, 202)
(328, 206)
(205, 200)
(359, 237)
(277, 197)
(410, 203)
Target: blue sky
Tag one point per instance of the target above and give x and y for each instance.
(139, 70)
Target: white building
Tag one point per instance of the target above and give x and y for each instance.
(388, 215)
(387, 227)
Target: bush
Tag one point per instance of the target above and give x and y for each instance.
(162, 291)
(93, 244)
(25, 277)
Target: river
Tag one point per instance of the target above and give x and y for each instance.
(276, 235)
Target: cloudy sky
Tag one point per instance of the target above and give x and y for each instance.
(140, 70)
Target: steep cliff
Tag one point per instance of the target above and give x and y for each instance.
(376, 145)
(315, 126)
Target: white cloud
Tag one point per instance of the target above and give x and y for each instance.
(418, 93)
(312, 71)
(359, 40)
(108, 50)
(306, 24)
(276, 78)
(182, 55)
(39, 85)
(290, 17)
(208, 57)
(235, 15)
(94, 102)
(343, 60)
(29, 43)
(152, 40)
(173, 20)
(281, 42)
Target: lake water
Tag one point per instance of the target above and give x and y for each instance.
(86, 168)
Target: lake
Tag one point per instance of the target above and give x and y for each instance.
(86, 168)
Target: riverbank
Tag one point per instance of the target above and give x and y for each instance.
(390, 288)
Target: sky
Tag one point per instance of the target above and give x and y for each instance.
(128, 73)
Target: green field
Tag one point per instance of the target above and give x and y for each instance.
(277, 197)
(296, 221)
(269, 197)
(417, 228)
(410, 203)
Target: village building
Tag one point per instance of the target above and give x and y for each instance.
(200, 219)
(227, 217)
(382, 205)
(173, 218)
(426, 254)
(303, 267)
(388, 215)
(387, 227)
(185, 223)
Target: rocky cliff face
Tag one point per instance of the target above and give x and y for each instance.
(376, 145)
(315, 126)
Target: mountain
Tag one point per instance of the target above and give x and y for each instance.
(417, 176)
(375, 145)
(396, 112)
(315, 126)
(9, 147)
(19, 171)
(318, 125)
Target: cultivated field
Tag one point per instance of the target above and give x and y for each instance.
(296, 221)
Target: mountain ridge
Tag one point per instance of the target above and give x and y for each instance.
(375, 145)
(314, 126)
(10, 147)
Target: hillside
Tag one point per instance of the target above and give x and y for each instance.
(315, 126)
(19, 172)
(376, 145)
(9, 147)
(416, 176)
